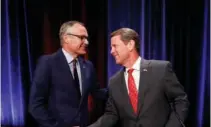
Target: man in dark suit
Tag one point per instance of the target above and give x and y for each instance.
(63, 81)
(145, 93)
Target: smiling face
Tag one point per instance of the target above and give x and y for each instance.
(119, 50)
(75, 39)
(125, 46)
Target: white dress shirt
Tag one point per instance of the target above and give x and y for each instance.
(135, 73)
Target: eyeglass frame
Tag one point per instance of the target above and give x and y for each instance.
(82, 37)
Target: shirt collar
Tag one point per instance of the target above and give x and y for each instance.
(136, 65)
(67, 55)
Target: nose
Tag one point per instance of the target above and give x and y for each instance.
(86, 42)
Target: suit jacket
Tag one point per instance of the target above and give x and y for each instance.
(158, 90)
(53, 97)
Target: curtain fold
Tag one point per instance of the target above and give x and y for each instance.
(176, 31)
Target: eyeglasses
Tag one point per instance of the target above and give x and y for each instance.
(82, 37)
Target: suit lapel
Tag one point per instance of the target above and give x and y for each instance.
(62, 63)
(144, 78)
(83, 72)
(66, 71)
(125, 95)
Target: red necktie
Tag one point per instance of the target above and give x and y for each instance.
(133, 93)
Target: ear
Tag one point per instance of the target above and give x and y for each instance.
(131, 45)
(66, 39)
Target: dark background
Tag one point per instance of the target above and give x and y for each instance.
(30, 29)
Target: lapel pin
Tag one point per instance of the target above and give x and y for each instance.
(144, 69)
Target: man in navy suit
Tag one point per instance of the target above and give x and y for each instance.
(63, 81)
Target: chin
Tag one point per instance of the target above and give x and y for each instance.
(82, 52)
(118, 62)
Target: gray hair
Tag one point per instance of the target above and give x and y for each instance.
(65, 26)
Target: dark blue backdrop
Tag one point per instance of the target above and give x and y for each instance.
(174, 30)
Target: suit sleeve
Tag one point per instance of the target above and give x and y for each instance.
(97, 92)
(39, 94)
(110, 116)
(176, 97)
